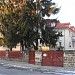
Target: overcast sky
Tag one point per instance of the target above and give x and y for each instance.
(67, 12)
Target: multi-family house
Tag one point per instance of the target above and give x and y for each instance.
(67, 41)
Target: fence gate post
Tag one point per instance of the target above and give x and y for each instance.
(32, 57)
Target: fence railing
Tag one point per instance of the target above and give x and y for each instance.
(2, 54)
(15, 54)
(11, 54)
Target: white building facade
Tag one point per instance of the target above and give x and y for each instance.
(67, 41)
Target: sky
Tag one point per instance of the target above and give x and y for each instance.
(67, 11)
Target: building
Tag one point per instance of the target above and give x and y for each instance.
(67, 41)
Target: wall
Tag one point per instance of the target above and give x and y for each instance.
(66, 39)
(69, 58)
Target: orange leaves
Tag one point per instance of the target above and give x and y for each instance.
(22, 3)
(34, 11)
(38, 1)
(52, 10)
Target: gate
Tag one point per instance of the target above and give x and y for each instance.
(32, 57)
(15, 54)
(2, 54)
(52, 58)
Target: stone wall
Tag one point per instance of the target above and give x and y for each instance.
(69, 58)
(38, 58)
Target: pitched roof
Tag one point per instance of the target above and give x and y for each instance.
(64, 25)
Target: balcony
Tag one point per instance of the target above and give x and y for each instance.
(73, 38)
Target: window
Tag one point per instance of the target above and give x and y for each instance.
(73, 44)
(69, 44)
(59, 43)
(60, 32)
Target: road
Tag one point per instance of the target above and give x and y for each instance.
(6, 69)
(11, 70)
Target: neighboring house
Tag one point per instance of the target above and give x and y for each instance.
(67, 41)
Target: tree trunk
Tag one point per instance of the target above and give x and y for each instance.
(10, 49)
(22, 45)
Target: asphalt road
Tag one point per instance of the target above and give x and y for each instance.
(10, 70)
(6, 69)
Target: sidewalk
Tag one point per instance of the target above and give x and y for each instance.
(45, 69)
